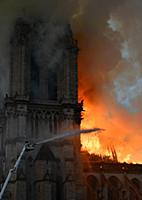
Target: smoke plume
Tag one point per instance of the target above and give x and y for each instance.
(48, 11)
(110, 72)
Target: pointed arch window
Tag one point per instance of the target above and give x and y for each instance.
(52, 84)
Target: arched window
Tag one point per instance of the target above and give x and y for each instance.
(135, 193)
(136, 183)
(52, 84)
(34, 78)
(114, 188)
(93, 188)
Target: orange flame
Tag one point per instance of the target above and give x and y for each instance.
(123, 130)
(99, 143)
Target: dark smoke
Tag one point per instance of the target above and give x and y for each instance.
(109, 34)
(80, 13)
(49, 11)
(111, 65)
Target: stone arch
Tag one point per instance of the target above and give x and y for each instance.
(93, 188)
(114, 188)
(113, 180)
(136, 182)
(135, 189)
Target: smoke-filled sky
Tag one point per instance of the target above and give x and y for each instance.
(111, 74)
(109, 33)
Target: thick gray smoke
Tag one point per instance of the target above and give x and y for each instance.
(112, 32)
(49, 11)
(49, 50)
(128, 83)
(109, 34)
(112, 49)
(71, 11)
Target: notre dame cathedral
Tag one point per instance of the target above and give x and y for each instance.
(43, 102)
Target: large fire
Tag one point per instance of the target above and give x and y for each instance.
(114, 135)
(110, 76)
(122, 127)
(110, 83)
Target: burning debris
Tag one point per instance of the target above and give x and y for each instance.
(110, 157)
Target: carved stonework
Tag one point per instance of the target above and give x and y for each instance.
(42, 103)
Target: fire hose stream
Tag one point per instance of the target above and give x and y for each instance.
(31, 146)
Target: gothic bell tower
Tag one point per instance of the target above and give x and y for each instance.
(43, 102)
(45, 86)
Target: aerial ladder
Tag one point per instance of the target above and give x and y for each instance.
(29, 146)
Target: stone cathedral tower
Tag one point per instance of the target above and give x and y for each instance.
(42, 102)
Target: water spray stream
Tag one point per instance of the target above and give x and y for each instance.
(69, 134)
(29, 147)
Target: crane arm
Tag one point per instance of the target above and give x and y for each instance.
(26, 147)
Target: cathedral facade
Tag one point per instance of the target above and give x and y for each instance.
(42, 103)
